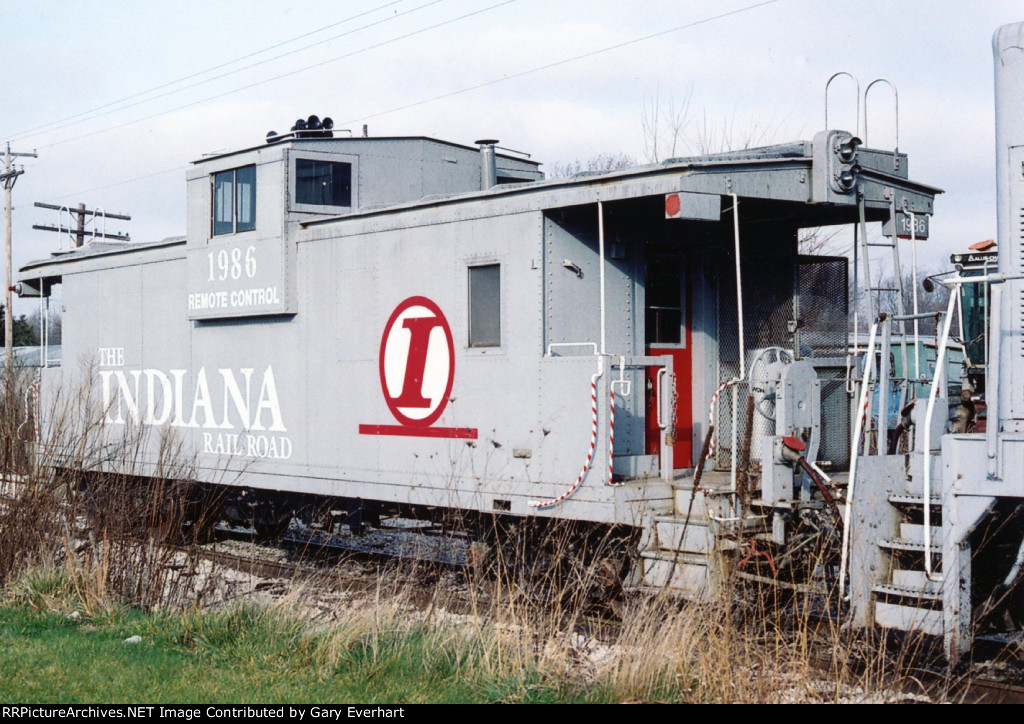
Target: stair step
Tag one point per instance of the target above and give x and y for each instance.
(908, 618)
(908, 592)
(913, 499)
(715, 501)
(900, 544)
(675, 533)
(681, 501)
(675, 556)
(916, 579)
(915, 532)
(689, 574)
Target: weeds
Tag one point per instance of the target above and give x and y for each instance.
(392, 649)
(96, 502)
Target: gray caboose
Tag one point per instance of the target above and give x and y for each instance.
(412, 322)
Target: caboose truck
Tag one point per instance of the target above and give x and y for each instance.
(384, 322)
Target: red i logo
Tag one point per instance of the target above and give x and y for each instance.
(417, 370)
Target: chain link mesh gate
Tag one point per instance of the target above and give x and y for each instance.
(797, 303)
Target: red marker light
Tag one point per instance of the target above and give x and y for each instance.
(672, 205)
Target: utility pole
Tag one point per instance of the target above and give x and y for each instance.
(79, 232)
(9, 176)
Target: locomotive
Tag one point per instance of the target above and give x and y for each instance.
(405, 323)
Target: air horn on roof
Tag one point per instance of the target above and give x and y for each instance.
(312, 127)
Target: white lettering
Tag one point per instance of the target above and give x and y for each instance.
(202, 400)
(269, 402)
(111, 356)
(131, 399)
(107, 402)
(232, 393)
(178, 376)
(161, 400)
(208, 300)
(267, 447)
(151, 397)
(239, 298)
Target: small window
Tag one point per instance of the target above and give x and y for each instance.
(323, 183)
(234, 200)
(485, 306)
(664, 294)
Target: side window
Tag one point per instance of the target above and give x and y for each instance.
(234, 200)
(323, 183)
(485, 306)
(664, 294)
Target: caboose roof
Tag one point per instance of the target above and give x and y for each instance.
(342, 141)
(778, 179)
(780, 174)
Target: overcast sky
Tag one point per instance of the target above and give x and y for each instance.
(118, 97)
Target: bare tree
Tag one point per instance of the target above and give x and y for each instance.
(597, 164)
(54, 329)
(663, 127)
(671, 129)
(727, 134)
(887, 300)
(824, 241)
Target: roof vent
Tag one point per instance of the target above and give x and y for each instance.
(488, 163)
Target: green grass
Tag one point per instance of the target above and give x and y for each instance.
(250, 655)
(58, 646)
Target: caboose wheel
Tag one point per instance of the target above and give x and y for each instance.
(270, 529)
(203, 510)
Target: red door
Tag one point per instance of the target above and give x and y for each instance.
(668, 334)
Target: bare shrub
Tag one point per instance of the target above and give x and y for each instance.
(104, 501)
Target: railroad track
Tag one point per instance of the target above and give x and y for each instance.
(307, 560)
(322, 567)
(355, 567)
(992, 692)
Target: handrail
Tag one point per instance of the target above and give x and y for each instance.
(101, 212)
(995, 341)
(733, 472)
(552, 345)
(857, 84)
(896, 105)
(60, 229)
(869, 363)
(940, 371)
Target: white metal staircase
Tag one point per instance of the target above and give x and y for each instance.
(906, 598)
(681, 554)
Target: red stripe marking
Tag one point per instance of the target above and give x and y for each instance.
(461, 433)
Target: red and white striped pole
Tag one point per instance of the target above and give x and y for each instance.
(611, 435)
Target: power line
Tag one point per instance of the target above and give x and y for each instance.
(120, 183)
(426, 100)
(557, 63)
(51, 125)
(284, 75)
